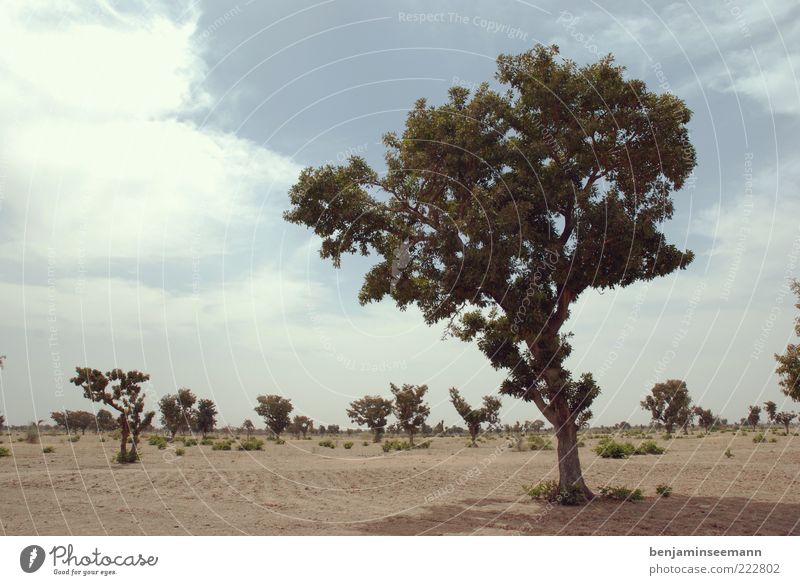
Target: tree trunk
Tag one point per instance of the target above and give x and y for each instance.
(378, 434)
(123, 445)
(786, 426)
(473, 433)
(569, 464)
(411, 438)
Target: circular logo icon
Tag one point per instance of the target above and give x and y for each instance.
(31, 558)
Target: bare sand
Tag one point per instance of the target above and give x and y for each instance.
(302, 488)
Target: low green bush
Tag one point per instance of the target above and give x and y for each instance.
(610, 449)
(664, 490)
(348, 445)
(74, 438)
(648, 448)
(395, 445)
(251, 444)
(327, 443)
(728, 453)
(207, 441)
(157, 441)
(180, 451)
(759, 438)
(365, 443)
(222, 445)
(280, 441)
(621, 493)
(423, 445)
(130, 457)
(537, 443)
(549, 491)
(4, 452)
(48, 449)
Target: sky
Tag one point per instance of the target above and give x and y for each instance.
(146, 151)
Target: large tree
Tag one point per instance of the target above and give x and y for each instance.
(105, 421)
(498, 210)
(302, 425)
(205, 417)
(275, 411)
(753, 416)
(789, 362)
(125, 396)
(410, 408)
(781, 418)
(669, 403)
(371, 411)
(73, 420)
(475, 417)
(705, 418)
(177, 412)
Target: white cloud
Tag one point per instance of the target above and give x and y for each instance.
(99, 159)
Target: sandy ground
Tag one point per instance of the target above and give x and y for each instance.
(302, 488)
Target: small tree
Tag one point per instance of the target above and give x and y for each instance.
(705, 418)
(177, 414)
(670, 404)
(409, 407)
(125, 396)
(105, 421)
(205, 418)
(781, 418)
(61, 419)
(275, 411)
(2, 421)
(248, 427)
(788, 368)
(302, 425)
(372, 412)
(73, 420)
(474, 417)
(754, 416)
(537, 426)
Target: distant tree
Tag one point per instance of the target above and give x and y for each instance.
(371, 411)
(302, 425)
(82, 420)
(125, 396)
(334, 430)
(622, 426)
(409, 407)
(438, 430)
(105, 421)
(781, 418)
(670, 404)
(248, 427)
(537, 426)
(754, 416)
(788, 368)
(177, 413)
(322, 430)
(474, 417)
(275, 411)
(73, 420)
(61, 419)
(705, 418)
(2, 421)
(205, 418)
